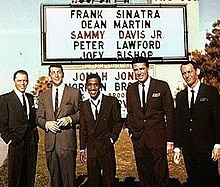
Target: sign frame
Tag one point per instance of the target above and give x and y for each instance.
(46, 60)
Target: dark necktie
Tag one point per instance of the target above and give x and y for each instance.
(96, 108)
(24, 103)
(143, 96)
(192, 101)
(56, 102)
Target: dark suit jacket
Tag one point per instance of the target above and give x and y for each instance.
(152, 119)
(66, 138)
(95, 134)
(14, 123)
(205, 124)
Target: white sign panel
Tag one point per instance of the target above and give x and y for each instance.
(100, 34)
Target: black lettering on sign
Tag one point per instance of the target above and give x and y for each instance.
(132, 24)
(94, 24)
(141, 14)
(86, 14)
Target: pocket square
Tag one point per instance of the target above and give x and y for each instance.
(204, 99)
(156, 94)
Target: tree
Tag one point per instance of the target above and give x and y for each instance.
(209, 62)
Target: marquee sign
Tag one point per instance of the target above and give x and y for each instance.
(79, 34)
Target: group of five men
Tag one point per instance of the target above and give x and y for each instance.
(155, 128)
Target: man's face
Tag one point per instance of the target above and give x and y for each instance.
(93, 87)
(140, 71)
(56, 76)
(21, 82)
(190, 75)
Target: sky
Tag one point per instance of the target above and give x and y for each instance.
(20, 37)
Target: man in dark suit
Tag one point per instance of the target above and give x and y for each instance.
(150, 123)
(58, 114)
(100, 126)
(198, 128)
(18, 129)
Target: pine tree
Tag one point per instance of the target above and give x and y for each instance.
(209, 62)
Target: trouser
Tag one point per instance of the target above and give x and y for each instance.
(107, 165)
(62, 167)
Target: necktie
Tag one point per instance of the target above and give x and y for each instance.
(56, 102)
(96, 108)
(143, 96)
(24, 103)
(192, 101)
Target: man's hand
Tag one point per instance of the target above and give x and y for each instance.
(52, 126)
(63, 121)
(83, 156)
(176, 156)
(170, 147)
(215, 154)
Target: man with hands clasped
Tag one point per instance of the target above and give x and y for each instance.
(198, 128)
(58, 114)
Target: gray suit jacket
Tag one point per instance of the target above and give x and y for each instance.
(66, 138)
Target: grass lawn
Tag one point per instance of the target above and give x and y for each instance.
(124, 157)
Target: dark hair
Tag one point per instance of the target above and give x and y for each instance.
(21, 72)
(93, 76)
(194, 64)
(140, 60)
(55, 66)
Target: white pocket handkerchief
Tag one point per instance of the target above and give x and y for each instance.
(156, 94)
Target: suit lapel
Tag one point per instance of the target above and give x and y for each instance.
(150, 93)
(49, 101)
(199, 95)
(90, 116)
(185, 104)
(88, 106)
(64, 96)
(137, 96)
(17, 100)
(102, 108)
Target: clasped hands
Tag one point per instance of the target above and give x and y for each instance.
(54, 126)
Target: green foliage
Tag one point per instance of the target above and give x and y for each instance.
(209, 62)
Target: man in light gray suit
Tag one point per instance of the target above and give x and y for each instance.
(58, 114)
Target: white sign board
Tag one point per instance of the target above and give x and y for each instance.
(112, 33)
